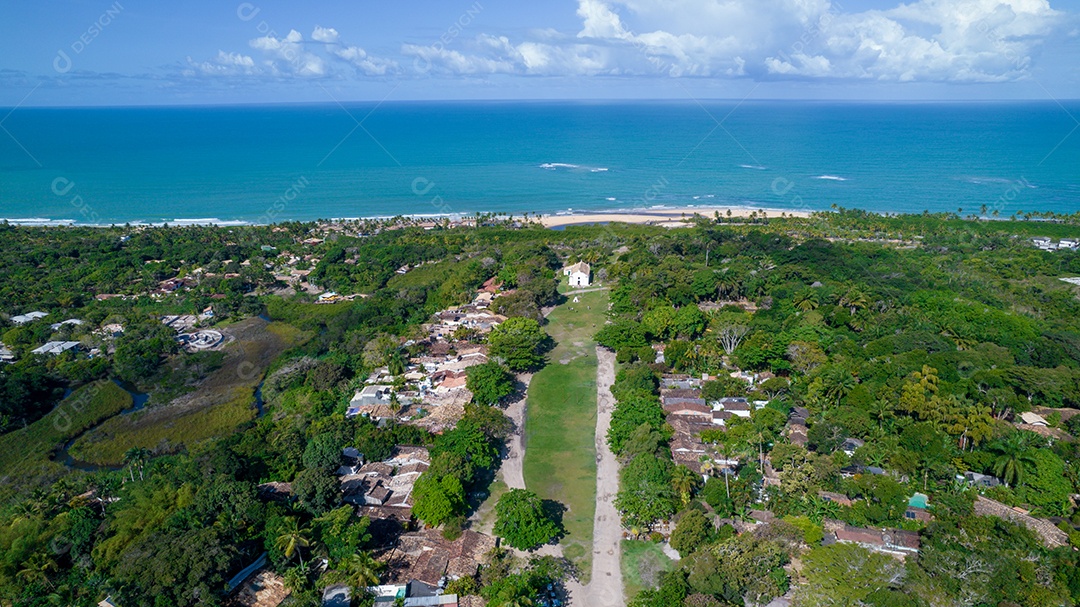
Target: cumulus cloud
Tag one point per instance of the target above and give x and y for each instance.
(225, 64)
(288, 55)
(917, 41)
(324, 55)
(328, 35)
(369, 65)
(925, 40)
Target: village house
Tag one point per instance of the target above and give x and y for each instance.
(737, 406)
(426, 556)
(371, 401)
(23, 319)
(850, 445)
(412, 594)
(71, 321)
(6, 355)
(894, 542)
(795, 429)
(55, 348)
(1051, 536)
(984, 481)
(836, 498)
(389, 483)
(1033, 419)
(580, 274)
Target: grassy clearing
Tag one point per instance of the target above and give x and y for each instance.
(24, 454)
(642, 564)
(220, 404)
(560, 449)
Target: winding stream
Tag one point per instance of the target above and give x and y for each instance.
(63, 456)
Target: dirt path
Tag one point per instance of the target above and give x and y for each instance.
(585, 290)
(605, 588)
(511, 470)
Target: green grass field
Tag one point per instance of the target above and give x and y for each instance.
(560, 427)
(24, 454)
(642, 564)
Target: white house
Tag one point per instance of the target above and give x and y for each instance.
(579, 274)
(22, 319)
(1033, 419)
(56, 347)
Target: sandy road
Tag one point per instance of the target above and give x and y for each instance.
(605, 587)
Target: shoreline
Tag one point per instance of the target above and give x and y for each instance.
(670, 217)
(659, 215)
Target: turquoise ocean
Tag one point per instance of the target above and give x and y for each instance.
(260, 164)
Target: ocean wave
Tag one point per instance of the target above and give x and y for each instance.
(37, 221)
(566, 166)
(756, 167)
(831, 178)
(998, 181)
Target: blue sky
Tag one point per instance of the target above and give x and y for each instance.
(136, 52)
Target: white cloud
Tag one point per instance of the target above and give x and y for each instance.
(917, 41)
(293, 56)
(328, 35)
(371, 66)
(925, 40)
(225, 64)
(288, 55)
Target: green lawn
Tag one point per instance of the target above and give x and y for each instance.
(24, 453)
(560, 450)
(642, 564)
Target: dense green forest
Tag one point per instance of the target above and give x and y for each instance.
(924, 337)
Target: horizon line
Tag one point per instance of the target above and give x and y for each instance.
(569, 100)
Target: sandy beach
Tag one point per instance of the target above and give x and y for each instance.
(667, 217)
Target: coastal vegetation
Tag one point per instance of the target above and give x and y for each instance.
(915, 352)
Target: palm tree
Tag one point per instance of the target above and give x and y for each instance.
(136, 457)
(838, 383)
(361, 569)
(395, 405)
(819, 509)
(292, 538)
(805, 300)
(853, 300)
(1012, 454)
(683, 481)
(36, 569)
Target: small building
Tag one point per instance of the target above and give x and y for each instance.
(1033, 419)
(54, 348)
(850, 445)
(836, 498)
(372, 395)
(71, 321)
(894, 542)
(735, 405)
(975, 479)
(22, 319)
(6, 356)
(337, 595)
(580, 274)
